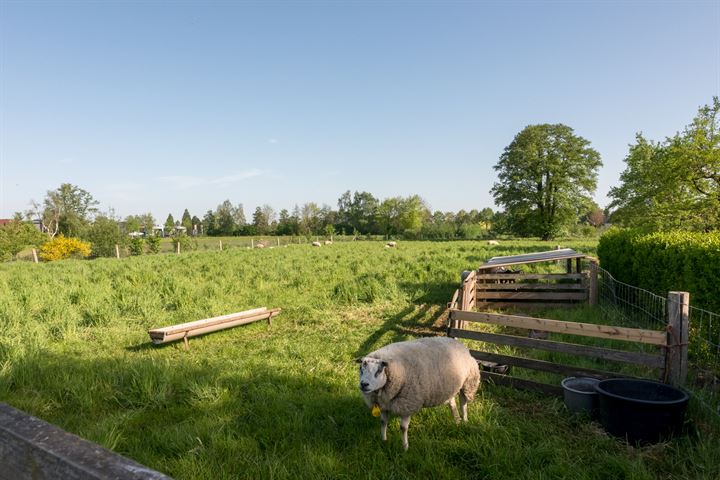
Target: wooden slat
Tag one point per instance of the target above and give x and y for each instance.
(544, 366)
(638, 358)
(531, 276)
(507, 381)
(650, 337)
(531, 286)
(531, 295)
(525, 305)
(454, 301)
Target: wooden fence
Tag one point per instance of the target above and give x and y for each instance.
(670, 361)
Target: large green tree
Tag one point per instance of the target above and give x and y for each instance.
(674, 183)
(546, 176)
(67, 210)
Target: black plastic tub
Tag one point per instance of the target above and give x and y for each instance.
(643, 411)
(580, 395)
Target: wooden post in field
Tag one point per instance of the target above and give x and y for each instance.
(678, 308)
(252, 243)
(278, 241)
(117, 251)
(35, 258)
(221, 245)
(178, 246)
(593, 293)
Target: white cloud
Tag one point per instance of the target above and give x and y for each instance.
(182, 182)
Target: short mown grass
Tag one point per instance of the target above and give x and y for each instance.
(282, 401)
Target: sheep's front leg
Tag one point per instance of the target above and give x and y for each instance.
(404, 424)
(463, 406)
(384, 415)
(454, 410)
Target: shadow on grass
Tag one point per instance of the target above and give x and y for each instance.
(418, 321)
(177, 417)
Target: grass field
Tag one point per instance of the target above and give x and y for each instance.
(282, 402)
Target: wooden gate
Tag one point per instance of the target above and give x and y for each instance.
(458, 318)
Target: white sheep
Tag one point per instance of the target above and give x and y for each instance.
(402, 378)
(391, 244)
(316, 244)
(328, 242)
(493, 242)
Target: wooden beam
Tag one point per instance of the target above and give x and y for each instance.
(489, 294)
(200, 327)
(650, 337)
(678, 305)
(638, 358)
(31, 448)
(531, 286)
(543, 366)
(531, 276)
(525, 305)
(521, 383)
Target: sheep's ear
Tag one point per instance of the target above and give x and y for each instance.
(358, 360)
(384, 364)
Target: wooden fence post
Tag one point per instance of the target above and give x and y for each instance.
(278, 241)
(117, 251)
(252, 243)
(221, 245)
(678, 307)
(35, 257)
(178, 246)
(593, 294)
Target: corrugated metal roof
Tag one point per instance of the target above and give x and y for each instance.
(548, 256)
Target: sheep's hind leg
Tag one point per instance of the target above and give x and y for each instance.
(463, 406)
(453, 409)
(384, 415)
(404, 424)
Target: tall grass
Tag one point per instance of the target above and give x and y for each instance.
(282, 401)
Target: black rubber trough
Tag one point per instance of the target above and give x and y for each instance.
(642, 411)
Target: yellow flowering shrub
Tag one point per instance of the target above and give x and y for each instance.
(62, 247)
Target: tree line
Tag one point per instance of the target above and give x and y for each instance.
(547, 177)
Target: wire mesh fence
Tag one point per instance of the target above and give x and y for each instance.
(636, 307)
(704, 357)
(630, 305)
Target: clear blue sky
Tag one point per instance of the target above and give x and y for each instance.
(161, 106)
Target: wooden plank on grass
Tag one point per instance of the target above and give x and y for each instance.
(637, 358)
(200, 327)
(650, 337)
(543, 366)
(531, 295)
(521, 383)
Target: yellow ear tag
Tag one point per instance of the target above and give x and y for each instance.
(376, 410)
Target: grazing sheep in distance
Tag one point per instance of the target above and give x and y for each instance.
(493, 242)
(316, 244)
(402, 378)
(391, 244)
(259, 245)
(328, 242)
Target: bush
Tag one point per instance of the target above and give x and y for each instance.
(136, 246)
(665, 261)
(153, 244)
(104, 234)
(61, 247)
(186, 243)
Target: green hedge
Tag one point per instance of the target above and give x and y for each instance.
(665, 261)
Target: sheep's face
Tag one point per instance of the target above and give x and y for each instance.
(372, 374)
